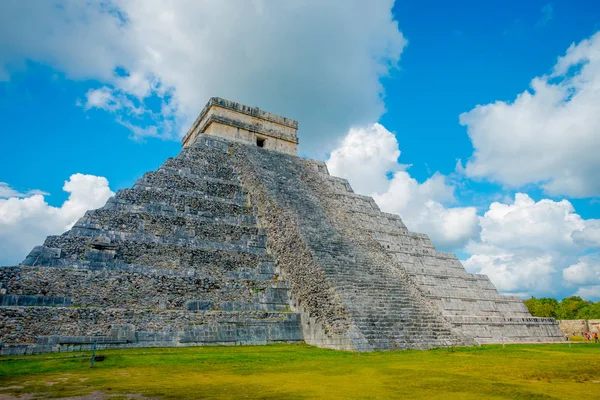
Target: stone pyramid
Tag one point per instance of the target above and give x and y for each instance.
(239, 241)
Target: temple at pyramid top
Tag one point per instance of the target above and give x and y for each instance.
(235, 121)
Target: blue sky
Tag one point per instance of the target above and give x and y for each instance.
(468, 53)
(107, 90)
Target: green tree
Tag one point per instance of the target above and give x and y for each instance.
(569, 307)
(573, 307)
(542, 307)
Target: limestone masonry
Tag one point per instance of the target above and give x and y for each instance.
(239, 241)
(235, 121)
(579, 326)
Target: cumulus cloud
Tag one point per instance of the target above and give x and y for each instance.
(318, 62)
(101, 98)
(6, 191)
(25, 222)
(514, 272)
(589, 292)
(368, 158)
(533, 248)
(366, 155)
(585, 272)
(590, 234)
(549, 135)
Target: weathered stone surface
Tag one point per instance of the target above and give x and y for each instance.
(339, 277)
(229, 243)
(238, 122)
(579, 326)
(177, 260)
(469, 302)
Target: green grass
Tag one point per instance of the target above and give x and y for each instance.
(304, 372)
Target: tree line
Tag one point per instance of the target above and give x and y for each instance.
(573, 307)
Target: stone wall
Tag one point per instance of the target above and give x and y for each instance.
(28, 325)
(577, 326)
(237, 122)
(141, 287)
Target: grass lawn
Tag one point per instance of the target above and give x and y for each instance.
(300, 371)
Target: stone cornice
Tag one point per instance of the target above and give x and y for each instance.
(249, 127)
(240, 108)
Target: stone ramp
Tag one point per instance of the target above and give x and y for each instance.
(397, 290)
(177, 260)
(378, 307)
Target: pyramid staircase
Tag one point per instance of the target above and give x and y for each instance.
(382, 308)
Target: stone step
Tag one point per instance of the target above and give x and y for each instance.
(377, 296)
(20, 326)
(244, 273)
(242, 221)
(271, 299)
(198, 167)
(180, 329)
(208, 216)
(259, 272)
(97, 222)
(192, 158)
(197, 185)
(137, 289)
(226, 174)
(180, 201)
(10, 300)
(207, 149)
(72, 251)
(123, 244)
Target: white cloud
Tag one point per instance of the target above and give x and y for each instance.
(6, 191)
(366, 155)
(421, 206)
(585, 272)
(318, 62)
(514, 272)
(368, 158)
(549, 135)
(589, 235)
(527, 224)
(532, 247)
(25, 222)
(101, 98)
(113, 100)
(589, 292)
